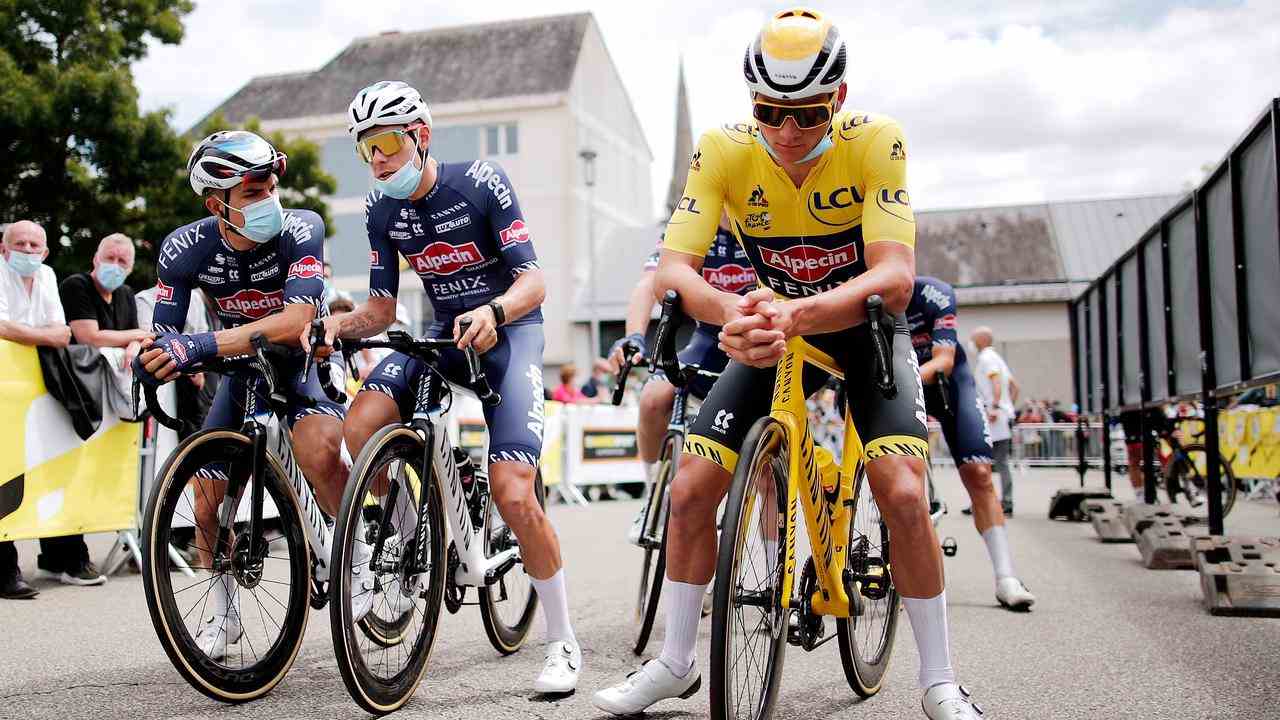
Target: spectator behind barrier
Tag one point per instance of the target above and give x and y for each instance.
(999, 393)
(567, 391)
(30, 314)
(596, 387)
(100, 307)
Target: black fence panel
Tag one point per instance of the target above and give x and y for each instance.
(1113, 342)
(1131, 348)
(1095, 350)
(1080, 326)
(1184, 297)
(1259, 205)
(1215, 201)
(1157, 354)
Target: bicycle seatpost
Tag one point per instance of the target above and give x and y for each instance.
(881, 347)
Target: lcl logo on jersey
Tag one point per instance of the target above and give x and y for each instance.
(307, 267)
(830, 208)
(809, 263)
(441, 258)
(730, 278)
(897, 204)
(252, 303)
(514, 233)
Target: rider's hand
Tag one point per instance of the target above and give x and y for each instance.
(172, 353)
(928, 375)
(617, 356)
(483, 332)
(751, 341)
(332, 325)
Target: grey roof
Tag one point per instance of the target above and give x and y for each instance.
(1041, 242)
(471, 62)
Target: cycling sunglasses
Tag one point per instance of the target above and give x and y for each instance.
(388, 143)
(806, 117)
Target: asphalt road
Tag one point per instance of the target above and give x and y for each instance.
(1108, 639)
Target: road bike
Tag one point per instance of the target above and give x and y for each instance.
(409, 493)
(761, 603)
(1186, 467)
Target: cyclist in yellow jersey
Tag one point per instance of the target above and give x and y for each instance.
(818, 200)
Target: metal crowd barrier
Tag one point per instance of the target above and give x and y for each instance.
(1035, 445)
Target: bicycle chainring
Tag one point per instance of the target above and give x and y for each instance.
(453, 593)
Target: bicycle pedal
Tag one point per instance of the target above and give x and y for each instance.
(950, 547)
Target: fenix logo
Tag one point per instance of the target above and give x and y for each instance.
(441, 258)
(485, 174)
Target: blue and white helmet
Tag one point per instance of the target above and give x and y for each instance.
(224, 159)
(387, 102)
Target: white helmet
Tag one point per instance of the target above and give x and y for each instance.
(224, 159)
(387, 102)
(797, 54)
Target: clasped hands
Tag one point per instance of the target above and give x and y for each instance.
(757, 331)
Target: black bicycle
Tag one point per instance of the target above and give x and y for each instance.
(409, 490)
(1186, 467)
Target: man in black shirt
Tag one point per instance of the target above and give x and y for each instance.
(102, 312)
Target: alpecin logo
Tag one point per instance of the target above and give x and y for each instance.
(252, 303)
(164, 293)
(306, 267)
(809, 263)
(514, 233)
(729, 278)
(441, 258)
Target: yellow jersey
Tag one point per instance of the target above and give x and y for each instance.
(801, 241)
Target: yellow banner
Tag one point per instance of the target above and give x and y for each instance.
(51, 482)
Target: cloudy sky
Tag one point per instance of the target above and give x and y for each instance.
(1003, 102)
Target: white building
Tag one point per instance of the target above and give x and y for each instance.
(531, 94)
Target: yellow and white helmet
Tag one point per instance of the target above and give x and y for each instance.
(797, 54)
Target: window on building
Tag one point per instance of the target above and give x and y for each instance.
(457, 143)
(491, 140)
(513, 140)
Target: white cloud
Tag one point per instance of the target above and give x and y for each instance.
(1002, 102)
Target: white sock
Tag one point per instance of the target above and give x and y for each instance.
(404, 516)
(224, 596)
(684, 610)
(929, 626)
(650, 468)
(997, 540)
(555, 607)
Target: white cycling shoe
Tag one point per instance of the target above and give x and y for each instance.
(949, 701)
(654, 681)
(637, 526)
(1012, 594)
(362, 579)
(223, 627)
(560, 669)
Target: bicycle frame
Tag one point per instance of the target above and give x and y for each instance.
(826, 522)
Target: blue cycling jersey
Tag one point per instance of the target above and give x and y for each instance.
(931, 318)
(467, 240)
(242, 286)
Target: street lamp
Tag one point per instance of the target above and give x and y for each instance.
(589, 178)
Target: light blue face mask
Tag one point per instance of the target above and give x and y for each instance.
(110, 276)
(823, 145)
(25, 264)
(263, 220)
(404, 181)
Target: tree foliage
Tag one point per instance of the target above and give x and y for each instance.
(76, 153)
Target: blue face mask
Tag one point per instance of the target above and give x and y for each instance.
(402, 182)
(823, 145)
(110, 276)
(25, 264)
(263, 220)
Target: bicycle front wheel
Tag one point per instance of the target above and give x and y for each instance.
(653, 541)
(266, 593)
(748, 626)
(383, 657)
(1186, 479)
(866, 640)
(507, 606)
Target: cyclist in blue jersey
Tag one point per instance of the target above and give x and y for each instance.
(726, 268)
(952, 397)
(460, 228)
(260, 266)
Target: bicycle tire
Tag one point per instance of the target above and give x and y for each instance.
(866, 676)
(765, 444)
(1181, 465)
(507, 637)
(212, 678)
(377, 694)
(653, 564)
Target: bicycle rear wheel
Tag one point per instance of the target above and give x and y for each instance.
(1186, 479)
(653, 540)
(507, 606)
(748, 626)
(271, 590)
(383, 658)
(866, 641)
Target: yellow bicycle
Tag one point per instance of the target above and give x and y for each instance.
(760, 605)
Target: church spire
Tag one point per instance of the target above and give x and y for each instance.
(683, 145)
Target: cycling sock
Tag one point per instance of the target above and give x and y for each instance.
(404, 517)
(650, 468)
(684, 610)
(555, 607)
(224, 596)
(929, 626)
(997, 540)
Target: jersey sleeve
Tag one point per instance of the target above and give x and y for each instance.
(384, 269)
(887, 214)
(510, 229)
(692, 228)
(944, 320)
(304, 248)
(173, 297)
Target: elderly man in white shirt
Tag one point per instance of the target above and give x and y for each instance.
(999, 391)
(30, 314)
